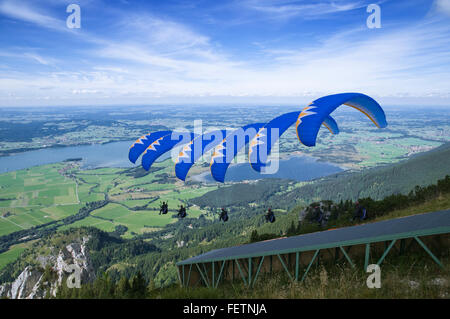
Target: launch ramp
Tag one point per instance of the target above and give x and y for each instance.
(372, 241)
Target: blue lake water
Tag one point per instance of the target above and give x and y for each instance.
(95, 155)
(300, 168)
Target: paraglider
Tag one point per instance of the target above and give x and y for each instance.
(182, 212)
(163, 145)
(270, 217)
(261, 137)
(141, 144)
(318, 215)
(195, 149)
(255, 134)
(360, 212)
(262, 143)
(223, 215)
(310, 118)
(226, 151)
(164, 208)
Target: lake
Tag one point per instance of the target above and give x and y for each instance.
(299, 168)
(95, 155)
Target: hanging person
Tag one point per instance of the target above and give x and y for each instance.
(223, 215)
(182, 212)
(270, 217)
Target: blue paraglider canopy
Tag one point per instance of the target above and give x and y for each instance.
(195, 149)
(260, 136)
(312, 116)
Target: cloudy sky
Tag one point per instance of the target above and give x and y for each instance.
(236, 51)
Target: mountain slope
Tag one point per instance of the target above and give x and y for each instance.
(422, 169)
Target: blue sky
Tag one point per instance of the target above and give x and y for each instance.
(243, 51)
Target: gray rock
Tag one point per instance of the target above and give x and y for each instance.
(29, 284)
(23, 286)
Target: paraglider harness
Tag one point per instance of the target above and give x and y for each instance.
(223, 215)
(182, 212)
(270, 217)
(360, 212)
(318, 215)
(164, 209)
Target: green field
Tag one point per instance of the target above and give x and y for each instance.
(35, 196)
(137, 222)
(12, 254)
(42, 194)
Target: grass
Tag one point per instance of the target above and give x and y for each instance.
(136, 202)
(59, 212)
(404, 276)
(7, 226)
(41, 194)
(413, 275)
(137, 222)
(440, 203)
(91, 221)
(111, 211)
(13, 253)
(34, 196)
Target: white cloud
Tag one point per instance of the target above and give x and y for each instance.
(37, 58)
(442, 6)
(17, 53)
(84, 91)
(277, 9)
(24, 12)
(161, 32)
(151, 57)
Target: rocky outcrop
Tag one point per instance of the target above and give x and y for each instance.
(181, 244)
(74, 259)
(25, 286)
(72, 263)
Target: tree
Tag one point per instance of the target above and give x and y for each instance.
(254, 236)
(123, 288)
(138, 286)
(291, 230)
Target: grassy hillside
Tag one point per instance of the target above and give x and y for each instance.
(410, 275)
(431, 198)
(129, 209)
(377, 183)
(402, 177)
(242, 194)
(413, 275)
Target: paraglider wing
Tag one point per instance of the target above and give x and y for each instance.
(225, 152)
(310, 118)
(331, 125)
(195, 149)
(261, 136)
(141, 144)
(163, 145)
(262, 143)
